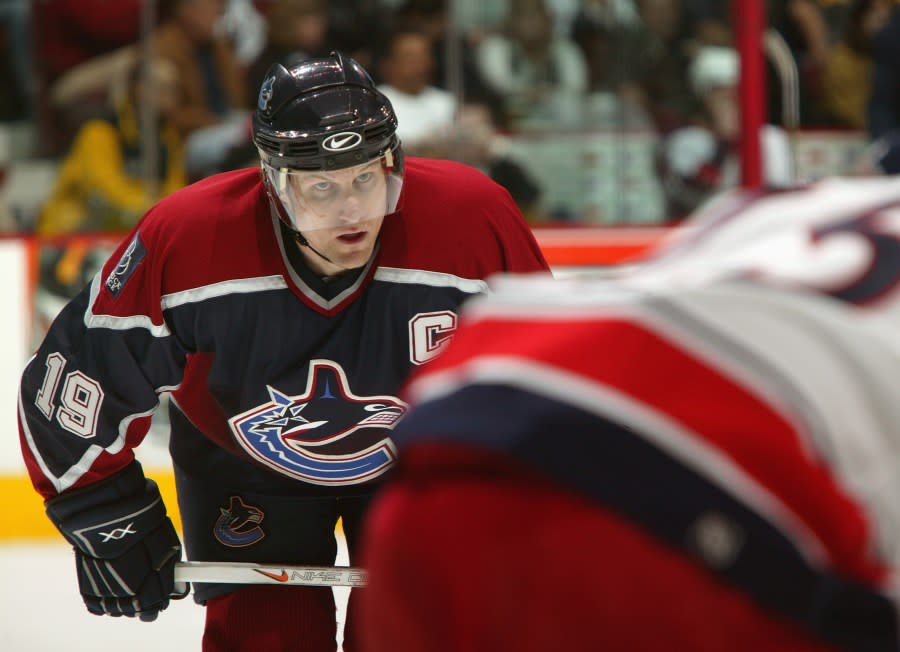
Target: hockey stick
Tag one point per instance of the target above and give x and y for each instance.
(221, 572)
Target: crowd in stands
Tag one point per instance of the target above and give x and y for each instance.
(135, 99)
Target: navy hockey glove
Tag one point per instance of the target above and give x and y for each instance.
(125, 545)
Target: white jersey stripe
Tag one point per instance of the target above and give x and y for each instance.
(92, 320)
(432, 279)
(175, 299)
(223, 288)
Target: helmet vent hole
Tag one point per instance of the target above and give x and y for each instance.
(340, 118)
(300, 149)
(377, 133)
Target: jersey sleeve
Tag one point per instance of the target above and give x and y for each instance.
(519, 249)
(87, 396)
(497, 231)
(522, 254)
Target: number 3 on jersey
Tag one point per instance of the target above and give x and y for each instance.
(80, 398)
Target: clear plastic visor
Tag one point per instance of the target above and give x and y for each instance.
(327, 199)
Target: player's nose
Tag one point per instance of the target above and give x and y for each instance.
(352, 210)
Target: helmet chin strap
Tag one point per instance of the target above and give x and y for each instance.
(303, 242)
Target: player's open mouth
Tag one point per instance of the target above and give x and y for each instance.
(352, 238)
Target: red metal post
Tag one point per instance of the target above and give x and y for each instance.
(749, 20)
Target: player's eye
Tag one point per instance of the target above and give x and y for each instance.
(321, 190)
(364, 181)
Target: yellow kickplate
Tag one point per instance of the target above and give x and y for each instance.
(25, 518)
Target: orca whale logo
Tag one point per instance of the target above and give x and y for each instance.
(327, 435)
(238, 524)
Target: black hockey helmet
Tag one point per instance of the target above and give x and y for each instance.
(322, 115)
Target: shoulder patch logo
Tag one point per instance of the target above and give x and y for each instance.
(328, 435)
(123, 270)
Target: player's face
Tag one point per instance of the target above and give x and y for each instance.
(344, 211)
(339, 212)
(341, 197)
(331, 199)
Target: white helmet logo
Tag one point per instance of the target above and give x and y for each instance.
(342, 141)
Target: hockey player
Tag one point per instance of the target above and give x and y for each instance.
(701, 454)
(282, 307)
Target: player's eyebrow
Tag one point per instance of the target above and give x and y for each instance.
(336, 174)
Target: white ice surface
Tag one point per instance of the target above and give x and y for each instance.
(41, 610)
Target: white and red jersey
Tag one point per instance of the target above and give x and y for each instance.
(744, 379)
(202, 300)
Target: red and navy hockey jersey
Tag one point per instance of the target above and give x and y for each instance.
(201, 300)
(736, 398)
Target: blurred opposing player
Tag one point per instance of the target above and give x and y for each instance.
(282, 307)
(700, 454)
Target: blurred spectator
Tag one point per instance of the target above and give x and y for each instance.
(608, 12)
(884, 104)
(835, 13)
(101, 184)
(15, 60)
(847, 79)
(474, 140)
(245, 27)
(602, 29)
(808, 27)
(67, 33)
(296, 30)
(802, 25)
(356, 26)
(638, 56)
(711, 21)
(606, 31)
(428, 16)
(212, 112)
(541, 76)
(699, 161)
(407, 70)
(660, 53)
(462, 73)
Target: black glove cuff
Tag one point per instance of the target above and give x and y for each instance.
(104, 520)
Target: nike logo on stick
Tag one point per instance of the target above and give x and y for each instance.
(283, 577)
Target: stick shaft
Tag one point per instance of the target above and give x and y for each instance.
(220, 572)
